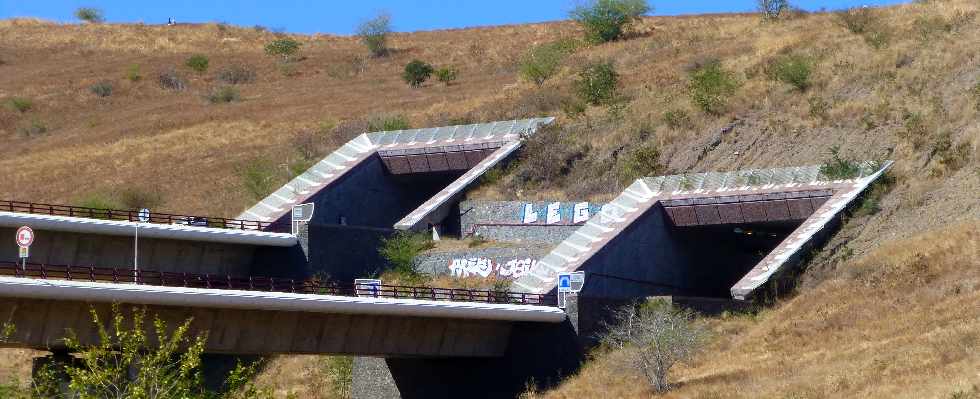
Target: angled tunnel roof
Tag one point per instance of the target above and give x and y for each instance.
(779, 184)
(489, 138)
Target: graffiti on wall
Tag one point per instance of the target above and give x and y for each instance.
(556, 212)
(485, 267)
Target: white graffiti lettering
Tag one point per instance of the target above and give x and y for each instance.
(472, 266)
(484, 267)
(516, 268)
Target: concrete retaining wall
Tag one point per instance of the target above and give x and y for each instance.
(504, 221)
(506, 261)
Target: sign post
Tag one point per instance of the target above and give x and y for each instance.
(24, 239)
(569, 283)
(142, 217)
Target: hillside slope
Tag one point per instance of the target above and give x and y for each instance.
(894, 290)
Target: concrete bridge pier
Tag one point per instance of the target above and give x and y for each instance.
(538, 355)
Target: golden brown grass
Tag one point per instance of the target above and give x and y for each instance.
(900, 322)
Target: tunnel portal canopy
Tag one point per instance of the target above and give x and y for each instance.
(405, 179)
(664, 231)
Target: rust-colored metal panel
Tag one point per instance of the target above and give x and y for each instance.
(730, 213)
(437, 162)
(457, 160)
(683, 215)
(800, 208)
(754, 212)
(707, 214)
(418, 163)
(398, 165)
(777, 210)
(818, 202)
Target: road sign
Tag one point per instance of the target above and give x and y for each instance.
(24, 251)
(367, 287)
(25, 236)
(564, 282)
(303, 212)
(577, 280)
(144, 215)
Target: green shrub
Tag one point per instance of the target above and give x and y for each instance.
(237, 74)
(447, 75)
(34, 128)
(607, 20)
(171, 80)
(198, 63)
(20, 104)
(677, 118)
(284, 47)
(916, 128)
(224, 95)
(374, 34)
(401, 249)
(838, 167)
(641, 162)
(258, 178)
(858, 20)
(102, 89)
(388, 123)
(542, 62)
(416, 73)
(710, 86)
(90, 15)
(794, 70)
(133, 73)
(98, 200)
(597, 83)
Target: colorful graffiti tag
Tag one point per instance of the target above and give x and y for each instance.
(485, 267)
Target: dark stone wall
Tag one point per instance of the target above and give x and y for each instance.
(346, 252)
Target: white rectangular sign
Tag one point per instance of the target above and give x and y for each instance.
(554, 212)
(530, 216)
(24, 251)
(581, 213)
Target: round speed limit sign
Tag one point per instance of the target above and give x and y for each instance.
(25, 237)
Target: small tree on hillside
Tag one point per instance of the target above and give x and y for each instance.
(597, 83)
(608, 20)
(374, 34)
(90, 15)
(284, 48)
(771, 9)
(655, 336)
(416, 73)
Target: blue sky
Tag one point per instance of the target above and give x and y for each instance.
(340, 17)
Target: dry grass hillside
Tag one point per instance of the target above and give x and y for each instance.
(888, 309)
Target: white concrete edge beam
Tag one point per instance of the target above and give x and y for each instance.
(16, 287)
(147, 230)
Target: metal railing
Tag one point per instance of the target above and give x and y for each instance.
(132, 216)
(267, 284)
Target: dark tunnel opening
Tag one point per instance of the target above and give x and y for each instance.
(717, 256)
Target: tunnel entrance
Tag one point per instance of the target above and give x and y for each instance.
(717, 256)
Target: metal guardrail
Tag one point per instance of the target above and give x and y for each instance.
(267, 284)
(133, 216)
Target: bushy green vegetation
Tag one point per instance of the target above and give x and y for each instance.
(258, 178)
(643, 161)
(102, 89)
(608, 20)
(865, 22)
(374, 34)
(793, 69)
(198, 63)
(284, 48)
(447, 75)
(388, 122)
(597, 83)
(400, 251)
(772, 9)
(139, 198)
(224, 95)
(677, 118)
(133, 73)
(710, 86)
(838, 167)
(20, 104)
(542, 62)
(90, 15)
(416, 73)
